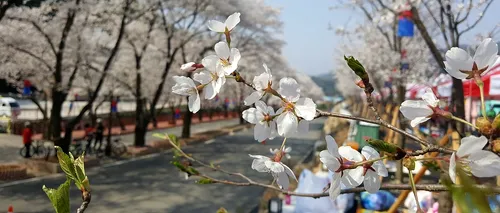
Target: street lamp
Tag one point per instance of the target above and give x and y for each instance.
(275, 205)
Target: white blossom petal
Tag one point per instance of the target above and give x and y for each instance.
(332, 146)
(380, 168)
(216, 26)
(371, 182)
(252, 98)
(334, 190)
(261, 81)
(370, 153)
(250, 115)
(184, 80)
(454, 72)
(484, 164)
(203, 77)
(289, 172)
(235, 56)
(352, 177)
(418, 120)
(288, 149)
(210, 63)
(209, 91)
(188, 66)
(287, 124)
(261, 132)
(329, 160)
(289, 89)
(458, 59)
(194, 103)
(486, 53)
(282, 180)
(430, 98)
(451, 169)
(261, 106)
(222, 50)
(413, 109)
(305, 108)
(275, 167)
(232, 21)
(471, 144)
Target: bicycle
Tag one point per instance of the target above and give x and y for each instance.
(76, 148)
(118, 148)
(37, 148)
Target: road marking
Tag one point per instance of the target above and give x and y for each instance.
(210, 141)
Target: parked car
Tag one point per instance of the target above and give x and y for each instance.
(9, 107)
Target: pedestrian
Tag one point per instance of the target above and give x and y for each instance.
(177, 113)
(27, 138)
(99, 134)
(89, 135)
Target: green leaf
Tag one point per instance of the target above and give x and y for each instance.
(179, 166)
(86, 184)
(222, 210)
(59, 197)
(205, 181)
(357, 67)
(174, 139)
(80, 167)
(159, 135)
(66, 163)
(383, 146)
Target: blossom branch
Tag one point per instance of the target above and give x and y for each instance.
(432, 148)
(398, 187)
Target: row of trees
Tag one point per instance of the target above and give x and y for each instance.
(130, 48)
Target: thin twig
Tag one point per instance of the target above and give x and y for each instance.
(86, 197)
(378, 122)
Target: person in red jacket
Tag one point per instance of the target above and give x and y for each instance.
(27, 135)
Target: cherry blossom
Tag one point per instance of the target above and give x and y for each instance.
(263, 118)
(420, 111)
(294, 108)
(188, 67)
(185, 86)
(261, 83)
(227, 26)
(228, 58)
(279, 170)
(337, 160)
(461, 65)
(471, 155)
(213, 77)
(373, 170)
(285, 150)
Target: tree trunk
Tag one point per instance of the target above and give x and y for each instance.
(55, 115)
(240, 112)
(445, 199)
(186, 126)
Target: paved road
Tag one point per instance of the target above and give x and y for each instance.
(153, 185)
(10, 144)
(195, 128)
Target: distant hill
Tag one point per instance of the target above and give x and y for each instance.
(326, 82)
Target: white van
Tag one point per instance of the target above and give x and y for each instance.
(9, 107)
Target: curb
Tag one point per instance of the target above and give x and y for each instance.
(94, 170)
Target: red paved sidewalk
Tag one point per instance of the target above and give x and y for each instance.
(161, 125)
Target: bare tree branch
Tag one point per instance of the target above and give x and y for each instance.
(477, 21)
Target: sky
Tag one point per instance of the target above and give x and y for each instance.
(311, 45)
